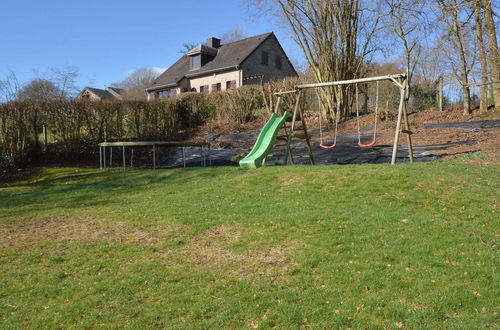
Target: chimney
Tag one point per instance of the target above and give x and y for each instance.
(213, 42)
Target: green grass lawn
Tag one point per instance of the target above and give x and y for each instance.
(300, 246)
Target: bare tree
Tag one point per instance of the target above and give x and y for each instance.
(429, 67)
(65, 79)
(451, 11)
(40, 90)
(136, 83)
(335, 37)
(187, 46)
(406, 20)
(9, 88)
(494, 53)
(232, 35)
(483, 94)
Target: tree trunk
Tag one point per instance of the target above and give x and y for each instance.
(328, 32)
(494, 54)
(483, 95)
(464, 79)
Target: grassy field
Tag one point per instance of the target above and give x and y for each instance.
(327, 246)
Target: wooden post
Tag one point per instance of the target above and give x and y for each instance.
(407, 124)
(440, 93)
(308, 143)
(398, 125)
(278, 101)
(289, 149)
(290, 136)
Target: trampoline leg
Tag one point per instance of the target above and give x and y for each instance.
(100, 158)
(158, 157)
(132, 157)
(183, 157)
(104, 155)
(110, 156)
(154, 158)
(209, 159)
(123, 157)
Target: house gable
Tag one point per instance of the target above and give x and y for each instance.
(278, 65)
(224, 65)
(97, 94)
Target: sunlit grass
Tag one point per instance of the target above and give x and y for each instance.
(341, 246)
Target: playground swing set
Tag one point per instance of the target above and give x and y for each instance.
(337, 116)
(269, 135)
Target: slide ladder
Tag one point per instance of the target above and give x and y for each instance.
(299, 141)
(265, 141)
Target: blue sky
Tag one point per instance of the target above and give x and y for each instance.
(107, 39)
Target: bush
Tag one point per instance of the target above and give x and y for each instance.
(236, 105)
(77, 127)
(422, 98)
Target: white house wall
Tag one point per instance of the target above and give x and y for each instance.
(221, 78)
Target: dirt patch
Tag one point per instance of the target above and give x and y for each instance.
(485, 140)
(214, 250)
(291, 179)
(78, 229)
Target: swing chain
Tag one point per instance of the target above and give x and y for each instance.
(320, 115)
(357, 115)
(376, 118)
(337, 118)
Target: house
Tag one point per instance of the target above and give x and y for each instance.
(96, 94)
(214, 67)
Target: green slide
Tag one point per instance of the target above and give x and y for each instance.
(265, 141)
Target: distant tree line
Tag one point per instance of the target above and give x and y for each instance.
(455, 39)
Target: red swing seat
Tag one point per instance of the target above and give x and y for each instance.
(325, 146)
(371, 144)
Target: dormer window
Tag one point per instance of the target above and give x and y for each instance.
(196, 61)
(201, 55)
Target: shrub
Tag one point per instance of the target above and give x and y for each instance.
(77, 127)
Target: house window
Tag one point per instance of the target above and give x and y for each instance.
(204, 89)
(231, 84)
(195, 61)
(278, 62)
(167, 93)
(216, 87)
(265, 58)
(185, 90)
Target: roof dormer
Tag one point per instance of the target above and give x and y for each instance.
(202, 54)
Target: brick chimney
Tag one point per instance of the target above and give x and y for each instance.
(213, 42)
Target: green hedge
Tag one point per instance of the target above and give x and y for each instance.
(76, 127)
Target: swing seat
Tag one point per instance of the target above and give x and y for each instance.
(371, 144)
(325, 146)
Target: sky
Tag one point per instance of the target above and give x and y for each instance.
(107, 39)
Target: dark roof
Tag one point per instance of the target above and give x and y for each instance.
(103, 94)
(228, 56)
(202, 49)
(117, 90)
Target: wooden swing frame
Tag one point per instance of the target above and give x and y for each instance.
(399, 80)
